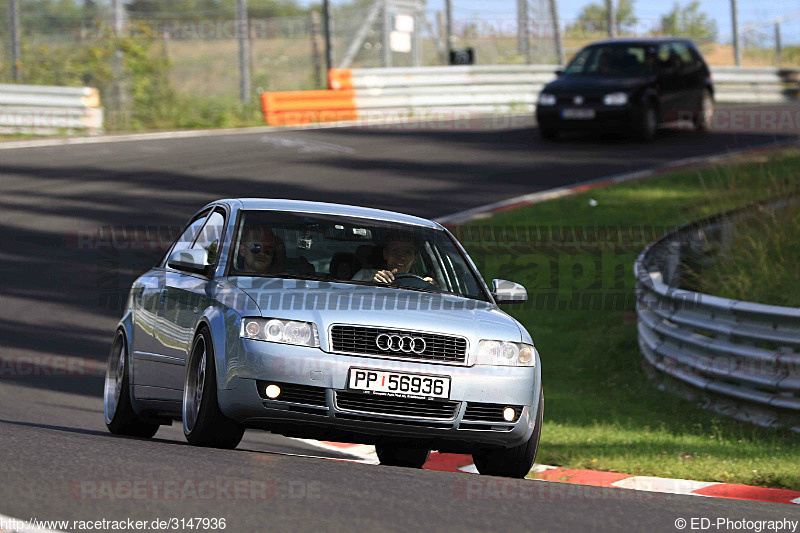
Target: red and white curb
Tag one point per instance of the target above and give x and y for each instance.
(485, 211)
(448, 462)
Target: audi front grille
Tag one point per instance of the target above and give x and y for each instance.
(357, 402)
(399, 344)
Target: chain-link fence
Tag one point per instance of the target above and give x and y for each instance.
(183, 70)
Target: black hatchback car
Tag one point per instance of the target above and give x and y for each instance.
(629, 86)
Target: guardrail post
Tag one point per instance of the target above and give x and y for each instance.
(612, 18)
(737, 51)
(559, 44)
(448, 34)
(13, 22)
(523, 41)
(243, 28)
(386, 30)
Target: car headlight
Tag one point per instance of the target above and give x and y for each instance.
(615, 99)
(502, 353)
(546, 99)
(281, 331)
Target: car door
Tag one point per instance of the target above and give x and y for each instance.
(148, 298)
(669, 81)
(692, 80)
(185, 297)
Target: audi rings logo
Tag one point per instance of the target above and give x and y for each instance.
(400, 343)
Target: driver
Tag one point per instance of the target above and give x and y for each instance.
(400, 254)
(261, 250)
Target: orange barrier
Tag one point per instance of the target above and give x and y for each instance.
(288, 108)
(340, 78)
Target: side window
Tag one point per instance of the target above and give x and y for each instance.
(187, 237)
(210, 237)
(668, 60)
(685, 56)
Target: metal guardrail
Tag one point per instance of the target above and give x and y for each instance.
(741, 358)
(48, 110)
(504, 88)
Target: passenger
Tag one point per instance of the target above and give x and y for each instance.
(261, 251)
(400, 254)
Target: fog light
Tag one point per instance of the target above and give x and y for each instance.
(273, 391)
(509, 414)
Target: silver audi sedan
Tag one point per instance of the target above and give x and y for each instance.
(331, 322)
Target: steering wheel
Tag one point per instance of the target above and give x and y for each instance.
(406, 279)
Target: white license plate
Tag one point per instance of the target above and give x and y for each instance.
(397, 384)
(579, 114)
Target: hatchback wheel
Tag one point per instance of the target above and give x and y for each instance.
(705, 115)
(392, 455)
(512, 462)
(648, 122)
(119, 414)
(203, 422)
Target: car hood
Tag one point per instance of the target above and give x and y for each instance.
(326, 303)
(593, 85)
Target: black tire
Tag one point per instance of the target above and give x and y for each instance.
(391, 455)
(705, 115)
(548, 134)
(203, 422)
(118, 411)
(512, 462)
(647, 122)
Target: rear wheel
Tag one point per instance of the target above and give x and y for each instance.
(118, 410)
(392, 455)
(203, 422)
(704, 116)
(512, 462)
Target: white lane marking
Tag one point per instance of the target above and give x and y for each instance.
(306, 146)
(796, 500)
(661, 484)
(537, 468)
(486, 210)
(15, 525)
(365, 453)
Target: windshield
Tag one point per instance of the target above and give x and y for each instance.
(351, 250)
(614, 60)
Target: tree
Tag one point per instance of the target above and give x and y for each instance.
(594, 17)
(689, 21)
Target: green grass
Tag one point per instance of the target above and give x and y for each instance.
(600, 410)
(762, 263)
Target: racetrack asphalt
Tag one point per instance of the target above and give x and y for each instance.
(58, 311)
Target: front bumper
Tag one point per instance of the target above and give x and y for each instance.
(621, 118)
(328, 373)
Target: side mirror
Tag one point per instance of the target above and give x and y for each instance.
(560, 72)
(189, 260)
(508, 292)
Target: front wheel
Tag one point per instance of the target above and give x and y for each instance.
(647, 123)
(512, 462)
(203, 422)
(392, 455)
(117, 407)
